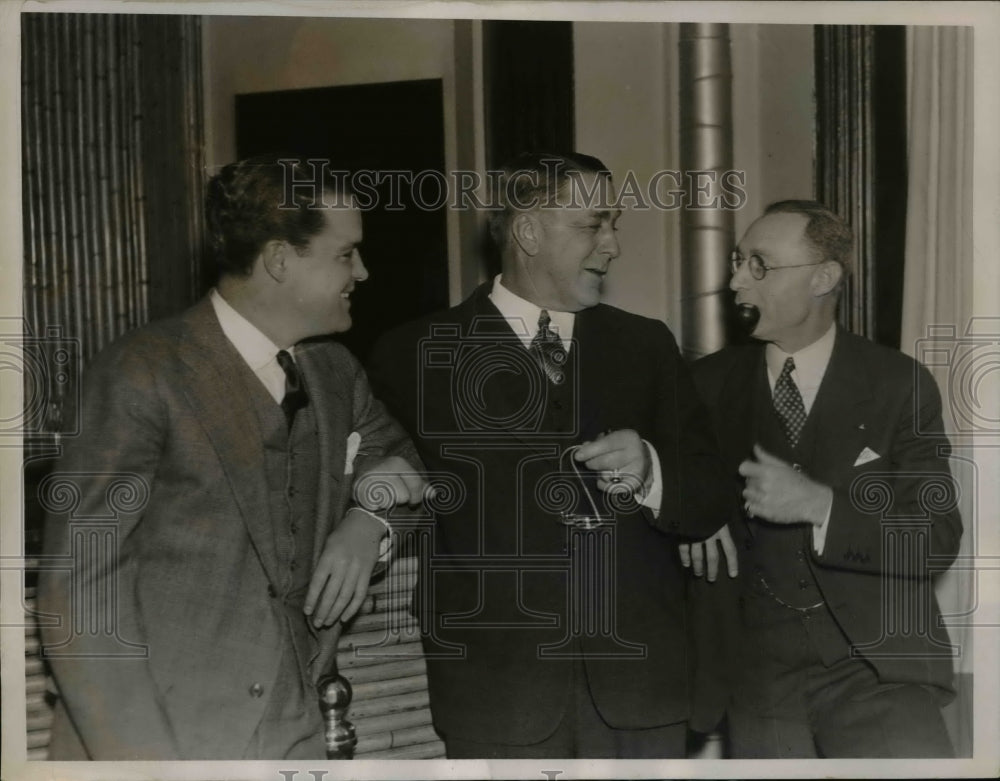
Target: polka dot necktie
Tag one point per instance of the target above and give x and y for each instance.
(548, 349)
(295, 394)
(788, 403)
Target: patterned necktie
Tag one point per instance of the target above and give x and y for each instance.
(548, 349)
(788, 403)
(295, 394)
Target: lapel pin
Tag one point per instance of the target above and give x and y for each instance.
(861, 427)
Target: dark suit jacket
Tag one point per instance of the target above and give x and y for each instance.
(192, 560)
(876, 398)
(479, 409)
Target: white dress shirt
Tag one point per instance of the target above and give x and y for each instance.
(810, 366)
(259, 352)
(522, 316)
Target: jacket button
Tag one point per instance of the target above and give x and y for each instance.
(256, 690)
(271, 590)
(803, 584)
(295, 528)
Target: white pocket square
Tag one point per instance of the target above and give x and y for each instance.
(865, 456)
(353, 443)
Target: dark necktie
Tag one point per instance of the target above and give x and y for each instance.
(788, 403)
(548, 349)
(295, 394)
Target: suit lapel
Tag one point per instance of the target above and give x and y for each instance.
(841, 412)
(219, 400)
(599, 368)
(484, 322)
(326, 390)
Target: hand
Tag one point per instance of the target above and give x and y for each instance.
(387, 483)
(777, 492)
(706, 552)
(618, 456)
(340, 582)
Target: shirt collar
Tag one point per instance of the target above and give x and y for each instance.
(257, 350)
(810, 362)
(522, 315)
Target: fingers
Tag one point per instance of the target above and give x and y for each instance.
(413, 484)
(621, 440)
(360, 592)
(684, 549)
(711, 560)
(325, 590)
(729, 549)
(698, 558)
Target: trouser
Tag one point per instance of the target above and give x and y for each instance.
(582, 733)
(799, 693)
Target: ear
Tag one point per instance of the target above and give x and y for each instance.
(826, 278)
(526, 229)
(274, 258)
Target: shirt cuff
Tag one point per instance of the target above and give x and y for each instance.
(819, 532)
(654, 496)
(385, 544)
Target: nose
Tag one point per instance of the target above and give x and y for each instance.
(738, 281)
(358, 270)
(609, 243)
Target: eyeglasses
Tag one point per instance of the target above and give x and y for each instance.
(758, 268)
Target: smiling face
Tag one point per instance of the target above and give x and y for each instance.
(569, 251)
(796, 304)
(319, 279)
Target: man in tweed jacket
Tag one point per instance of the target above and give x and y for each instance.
(219, 472)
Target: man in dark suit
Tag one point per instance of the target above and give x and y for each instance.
(837, 447)
(555, 617)
(219, 451)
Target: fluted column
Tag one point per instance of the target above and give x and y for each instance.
(706, 144)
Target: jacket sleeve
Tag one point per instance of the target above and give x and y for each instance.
(91, 632)
(697, 498)
(914, 494)
(381, 434)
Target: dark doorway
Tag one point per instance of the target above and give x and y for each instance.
(396, 126)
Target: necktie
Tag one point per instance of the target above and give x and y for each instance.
(548, 349)
(788, 403)
(295, 394)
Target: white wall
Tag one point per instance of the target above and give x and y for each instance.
(622, 81)
(773, 114)
(626, 114)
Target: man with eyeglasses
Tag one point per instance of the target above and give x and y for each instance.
(836, 446)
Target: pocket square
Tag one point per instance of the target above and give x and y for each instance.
(353, 443)
(865, 456)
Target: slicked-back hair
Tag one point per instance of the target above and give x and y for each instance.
(830, 236)
(245, 207)
(535, 179)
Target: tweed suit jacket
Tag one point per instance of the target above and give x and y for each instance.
(185, 667)
(878, 442)
(475, 403)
